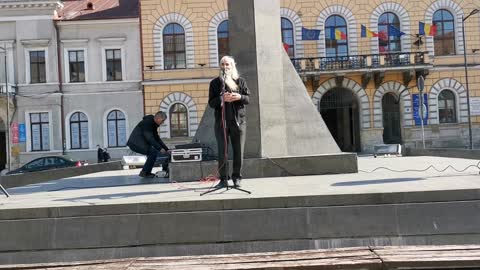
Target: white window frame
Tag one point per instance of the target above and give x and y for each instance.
(105, 126)
(67, 63)
(169, 119)
(457, 106)
(27, 64)
(68, 131)
(29, 132)
(8, 46)
(104, 63)
(293, 32)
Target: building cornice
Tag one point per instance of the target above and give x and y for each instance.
(9, 43)
(70, 41)
(111, 39)
(177, 81)
(35, 42)
(96, 22)
(25, 18)
(44, 4)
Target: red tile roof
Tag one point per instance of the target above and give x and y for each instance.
(102, 9)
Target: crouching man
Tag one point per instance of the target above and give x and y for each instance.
(145, 140)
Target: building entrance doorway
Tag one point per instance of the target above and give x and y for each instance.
(391, 119)
(340, 112)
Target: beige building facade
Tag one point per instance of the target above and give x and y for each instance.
(364, 87)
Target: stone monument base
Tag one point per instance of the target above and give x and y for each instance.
(271, 167)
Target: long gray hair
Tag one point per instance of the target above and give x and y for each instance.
(232, 75)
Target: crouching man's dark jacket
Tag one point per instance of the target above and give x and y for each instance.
(145, 135)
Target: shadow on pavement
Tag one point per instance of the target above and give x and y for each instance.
(376, 182)
(86, 183)
(122, 195)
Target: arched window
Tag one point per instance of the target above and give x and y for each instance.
(116, 129)
(79, 131)
(336, 39)
(178, 120)
(444, 40)
(222, 38)
(174, 46)
(386, 42)
(288, 36)
(446, 107)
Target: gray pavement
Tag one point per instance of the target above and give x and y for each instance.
(125, 187)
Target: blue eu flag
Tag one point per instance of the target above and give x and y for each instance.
(310, 34)
(394, 32)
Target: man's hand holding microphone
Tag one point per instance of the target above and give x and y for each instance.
(231, 97)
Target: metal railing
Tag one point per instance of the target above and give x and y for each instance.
(356, 62)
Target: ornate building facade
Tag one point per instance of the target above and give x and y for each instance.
(74, 78)
(361, 71)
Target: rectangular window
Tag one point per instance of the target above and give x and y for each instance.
(114, 64)
(40, 131)
(79, 135)
(76, 63)
(37, 67)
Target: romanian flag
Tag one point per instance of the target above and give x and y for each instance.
(427, 29)
(338, 35)
(367, 33)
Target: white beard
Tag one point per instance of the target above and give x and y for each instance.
(230, 82)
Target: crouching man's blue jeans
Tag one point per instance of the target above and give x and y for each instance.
(152, 156)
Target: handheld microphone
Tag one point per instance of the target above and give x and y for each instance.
(223, 78)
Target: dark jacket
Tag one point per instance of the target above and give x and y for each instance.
(145, 135)
(215, 101)
(99, 155)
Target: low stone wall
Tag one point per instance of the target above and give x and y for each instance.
(443, 152)
(18, 180)
(271, 167)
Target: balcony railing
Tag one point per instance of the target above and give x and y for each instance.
(358, 62)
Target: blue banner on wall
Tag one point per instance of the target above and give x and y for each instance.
(416, 109)
(22, 133)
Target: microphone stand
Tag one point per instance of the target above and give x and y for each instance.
(225, 143)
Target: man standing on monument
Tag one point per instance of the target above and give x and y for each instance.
(228, 95)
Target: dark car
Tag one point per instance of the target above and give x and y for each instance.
(47, 163)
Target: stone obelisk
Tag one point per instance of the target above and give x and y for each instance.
(281, 118)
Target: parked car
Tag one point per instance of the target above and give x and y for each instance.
(47, 163)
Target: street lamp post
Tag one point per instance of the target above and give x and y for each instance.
(475, 11)
(8, 109)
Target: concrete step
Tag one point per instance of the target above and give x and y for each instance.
(63, 233)
(370, 258)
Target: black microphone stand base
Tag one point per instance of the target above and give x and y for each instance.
(4, 191)
(227, 187)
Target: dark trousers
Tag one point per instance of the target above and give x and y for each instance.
(152, 156)
(235, 134)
